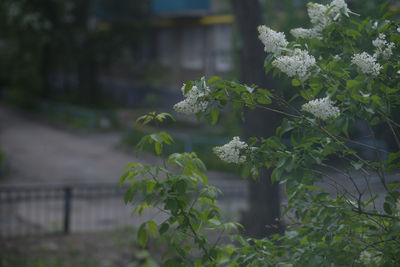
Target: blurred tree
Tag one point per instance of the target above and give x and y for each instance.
(264, 205)
(43, 38)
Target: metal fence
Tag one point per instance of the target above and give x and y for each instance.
(32, 210)
(27, 210)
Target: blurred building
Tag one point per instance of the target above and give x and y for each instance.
(192, 38)
(185, 39)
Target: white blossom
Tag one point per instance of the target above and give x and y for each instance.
(231, 151)
(369, 259)
(337, 7)
(306, 33)
(383, 48)
(297, 64)
(366, 63)
(273, 41)
(336, 58)
(319, 16)
(316, 12)
(375, 25)
(398, 29)
(194, 101)
(322, 108)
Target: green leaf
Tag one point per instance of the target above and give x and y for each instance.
(172, 205)
(158, 148)
(353, 84)
(213, 79)
(393, 185)
(153, 227)
(187, 87)
(353, 33)
(181, 186)
(296, 82)
(157, 137)
(386, 208)
(124, 177)
(173, 263)
(142, 235)
(246, 170)
(214, 222)
(263, 99)
(163, 228)
(129, 194)
(214, 116)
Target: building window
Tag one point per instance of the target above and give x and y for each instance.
(165, 47)
(223, 47)
(192, 48)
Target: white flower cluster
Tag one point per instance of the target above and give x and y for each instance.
(366, 63)
(369, 259)
(272, 40)
(305, 33)
(321, 19)
(322, 108)
(194, 101)
(317, 14)
(230, 152)
(297, 64)
(383, 48)
(336, 58)
(338, 6)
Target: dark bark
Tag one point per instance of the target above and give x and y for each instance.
(87, 65)
(264, 205)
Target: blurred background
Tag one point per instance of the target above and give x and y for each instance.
(74, 76)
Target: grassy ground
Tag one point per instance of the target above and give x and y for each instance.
(104, 249)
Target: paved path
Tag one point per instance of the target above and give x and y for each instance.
(40, 153)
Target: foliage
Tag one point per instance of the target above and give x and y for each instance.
(181, 143)
(349, 224)
(64, 44)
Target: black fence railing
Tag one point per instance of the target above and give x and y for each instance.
(37, 209)
(27, 210)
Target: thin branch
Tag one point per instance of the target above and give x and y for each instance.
(266, 108)
(344, 174)
(364, 145)
(380, 172)
(360, 211)
(393, 132)
(389, 119)
(333, 180)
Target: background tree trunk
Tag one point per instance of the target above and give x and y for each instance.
(264, 204)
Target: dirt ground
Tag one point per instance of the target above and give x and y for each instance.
(101, 249)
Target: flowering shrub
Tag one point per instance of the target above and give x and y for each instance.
(339, 85)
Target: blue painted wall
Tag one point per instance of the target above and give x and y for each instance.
(176, 6)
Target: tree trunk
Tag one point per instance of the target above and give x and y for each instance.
(264, 205)
(87, 65)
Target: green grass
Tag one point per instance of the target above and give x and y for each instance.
(20, 260)
(79, 117)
